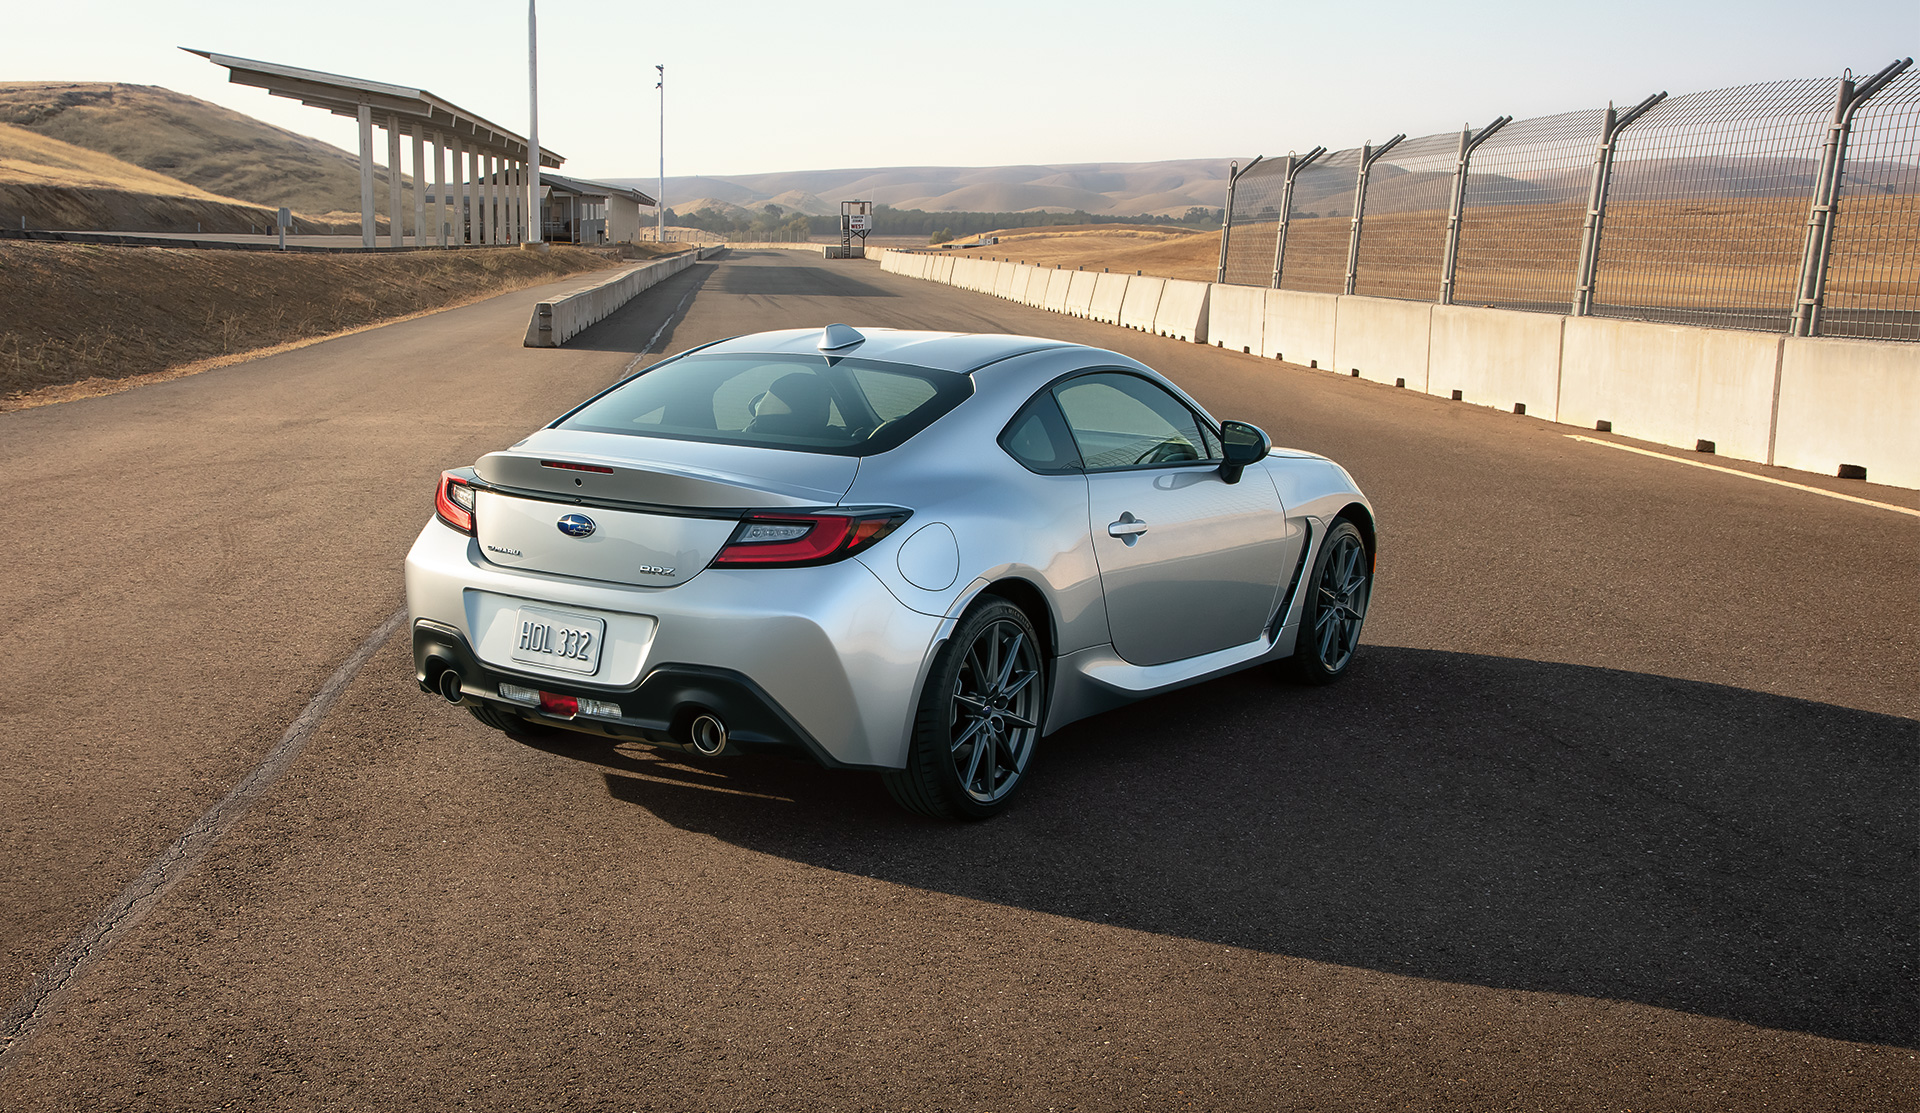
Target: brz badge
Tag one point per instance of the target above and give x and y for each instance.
(503, 552)
(577, 525)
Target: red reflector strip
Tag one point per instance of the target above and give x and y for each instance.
(564, 706)
(565, 466)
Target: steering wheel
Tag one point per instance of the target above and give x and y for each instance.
(1171, 451)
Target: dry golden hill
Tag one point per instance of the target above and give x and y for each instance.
(209, 147)
(87, 319)
(45, 183)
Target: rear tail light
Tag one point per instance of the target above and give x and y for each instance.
(453, 501)
(777, 540)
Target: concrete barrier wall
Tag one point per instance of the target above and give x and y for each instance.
(1109, 294)
(567, 316)
(1080, 293)
(1236, 318)
(1670, 383)
(1812, 404)
(1299, 327)
(1384, 339)
(1143, 298)
(1496, 357)
(1850, 402)
(1183, 310)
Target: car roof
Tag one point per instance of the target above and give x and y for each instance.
(960, 352)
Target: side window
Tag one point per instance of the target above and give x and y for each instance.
(1038, 438)
(1120, 420)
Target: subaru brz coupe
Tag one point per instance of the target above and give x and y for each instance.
(912, 552)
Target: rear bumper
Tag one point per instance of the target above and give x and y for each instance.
(658, 709)
(824, 659)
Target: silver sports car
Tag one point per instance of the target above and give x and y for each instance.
(914, 552)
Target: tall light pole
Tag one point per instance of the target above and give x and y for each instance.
(660, 193)
(536, 211)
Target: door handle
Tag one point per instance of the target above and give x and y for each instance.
(1127, 528)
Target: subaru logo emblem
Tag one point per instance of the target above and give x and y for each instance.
(577, 525)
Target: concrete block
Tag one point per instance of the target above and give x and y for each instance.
(1673, 384)
(1080, 293)
(565, 317)
(1036, 295)
(1850, 402)
(1300, 327)
(1236, 318)
(1058, 282)
(1142, 300)
(1109, 294)
(1386, 339)
(1022, 278)
(1003, 280)
(1183, 311)
(1496, 357)
(942, 270)
(979, 275)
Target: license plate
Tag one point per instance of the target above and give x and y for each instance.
(558, 640)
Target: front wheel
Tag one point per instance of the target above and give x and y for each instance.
(978, 720)
(1335, 608)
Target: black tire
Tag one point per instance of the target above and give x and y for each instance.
(1335, 609)
(979, 718)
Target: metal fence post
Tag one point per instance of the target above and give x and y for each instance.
(1226, 218)
(1610, 129)
(1812, 288)
(1457, 204)
(1368, 156)
(1294, 166)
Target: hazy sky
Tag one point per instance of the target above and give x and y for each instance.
(763, 86)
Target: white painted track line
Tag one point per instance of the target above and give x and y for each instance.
(1749, 475)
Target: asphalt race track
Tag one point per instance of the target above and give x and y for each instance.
(1616, 811)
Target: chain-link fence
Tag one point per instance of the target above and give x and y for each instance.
(1784, 207)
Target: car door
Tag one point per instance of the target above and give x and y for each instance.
(1189, 563)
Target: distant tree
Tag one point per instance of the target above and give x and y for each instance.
(944, 235)
(793, 231)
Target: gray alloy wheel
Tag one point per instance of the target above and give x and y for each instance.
(1336, 607)
(979, 718)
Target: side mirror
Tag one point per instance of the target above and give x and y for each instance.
(1242, 444)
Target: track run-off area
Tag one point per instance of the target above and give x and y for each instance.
(1616, 809)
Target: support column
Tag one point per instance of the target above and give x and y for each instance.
(440, 189)
(459, 199)
(511, 200)
(366, 175)
(419, 188)
(396, 221)
(492, 175)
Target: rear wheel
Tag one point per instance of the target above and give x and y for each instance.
(1335, 608)
(978, 720)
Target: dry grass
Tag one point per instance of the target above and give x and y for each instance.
(1170, 253)
(110, 317)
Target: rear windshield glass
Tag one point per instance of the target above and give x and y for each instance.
(844, 407)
